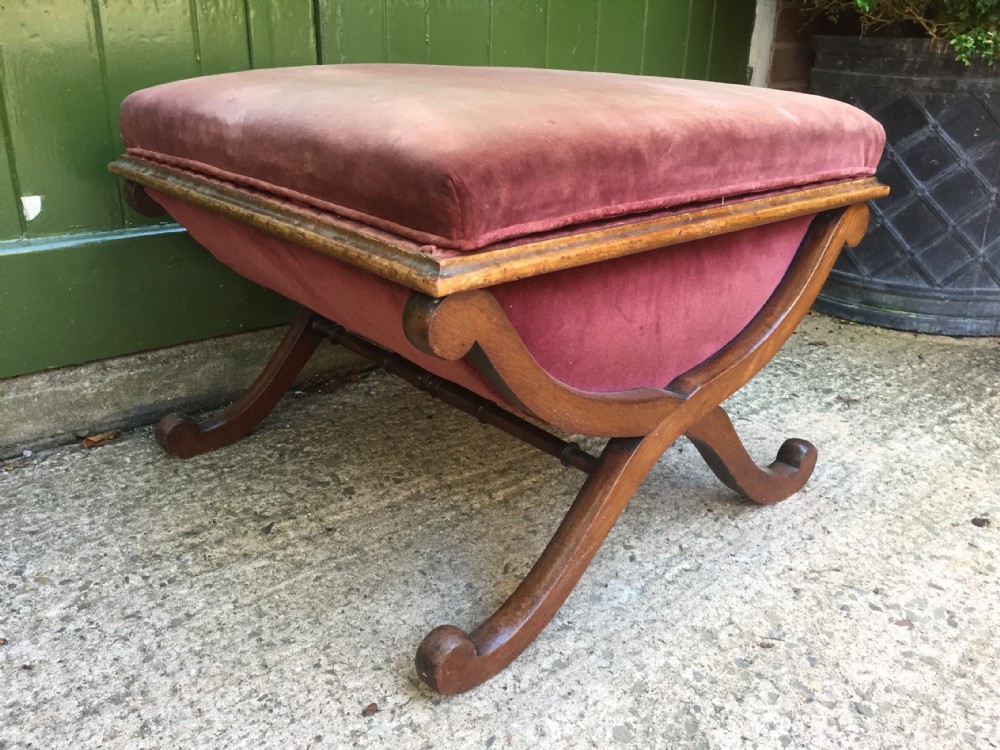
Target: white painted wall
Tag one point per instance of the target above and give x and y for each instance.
(761, 41)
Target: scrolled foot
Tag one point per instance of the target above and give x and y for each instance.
(723, 451)
(182, 437)
(797, 454)
(447, 660)
(179, 435)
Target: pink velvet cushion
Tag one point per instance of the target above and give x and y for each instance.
(464, 157)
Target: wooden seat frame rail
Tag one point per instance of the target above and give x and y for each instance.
(640, 423)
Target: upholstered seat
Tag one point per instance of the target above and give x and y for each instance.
(459, 158)
(611, 255)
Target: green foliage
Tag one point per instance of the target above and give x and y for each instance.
(971, 27)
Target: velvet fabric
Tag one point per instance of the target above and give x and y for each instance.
(635, 321)
(644, 319)
(360, 301)
(460, 158)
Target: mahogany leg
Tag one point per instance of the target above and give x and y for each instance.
(451, 661)
(181, 436)
(716, 440)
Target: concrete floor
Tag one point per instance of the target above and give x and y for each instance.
(264, 595)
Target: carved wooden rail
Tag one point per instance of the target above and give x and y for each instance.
(453, 316)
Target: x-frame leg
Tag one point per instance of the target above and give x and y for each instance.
(641, 425)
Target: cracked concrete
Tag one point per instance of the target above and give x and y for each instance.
(264, 595)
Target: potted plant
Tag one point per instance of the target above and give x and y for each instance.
(927, 70)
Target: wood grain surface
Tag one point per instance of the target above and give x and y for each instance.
(403, 262)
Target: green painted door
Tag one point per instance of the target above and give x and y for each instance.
(83, 277)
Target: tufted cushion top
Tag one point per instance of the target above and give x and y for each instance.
(462, 157)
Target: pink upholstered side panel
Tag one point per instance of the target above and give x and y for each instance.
(362, 302)
(635, 321)
(644, 319)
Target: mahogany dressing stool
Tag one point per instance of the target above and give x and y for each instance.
(611, 255)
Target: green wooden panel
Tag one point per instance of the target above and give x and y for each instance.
(10, 221)
(458, 32)
(665, 42)
(65, 65)
(281, 33)
(220, 28)
(56, 106)
(90, 298)
(731, 41)
(328, 41)
(572, 34)
(620, 36)
(406, 31)
(145, 43)
(518, 30)
(363, 30)
(699, 48)
(10, 215)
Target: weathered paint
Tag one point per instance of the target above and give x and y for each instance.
(143, 45)
(31, 206)
(729, 59)
(406, 31)
(518, 30)
(11, 222)
(99, 296)
(571, 42)
(458, 32)
(621, 36)
(56, 106)
(665, 42)
(220, 36)
(65, 66)
(357, 31)
(701, 30)
(281, 33)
